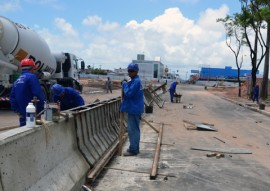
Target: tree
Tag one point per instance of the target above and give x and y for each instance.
(265, 12)
(251, 18)
(234, 40)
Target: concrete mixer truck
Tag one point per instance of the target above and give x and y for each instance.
(18, 42)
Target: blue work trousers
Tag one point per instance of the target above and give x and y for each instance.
(134, 133)
(172, 94)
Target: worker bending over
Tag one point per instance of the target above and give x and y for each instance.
(133, 105)
(68, 97)
(24, 89)
(172, 90)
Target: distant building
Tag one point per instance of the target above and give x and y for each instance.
(120, 71)
(149, 69)
(208, 73)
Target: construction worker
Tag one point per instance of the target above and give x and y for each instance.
(172, 90)
(133, 105)
(68, 97)
(256, 91)
(108, 85)
(24, 89)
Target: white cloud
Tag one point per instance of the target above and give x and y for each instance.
(61, 43)
(9, 6)
(97, 21)
(179, 41)
(65, 26)
(92, 20)
(183, 44)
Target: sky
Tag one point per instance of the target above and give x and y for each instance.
(109, 34)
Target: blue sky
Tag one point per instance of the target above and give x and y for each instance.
(183, 33)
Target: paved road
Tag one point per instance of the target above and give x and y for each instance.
(237, 126)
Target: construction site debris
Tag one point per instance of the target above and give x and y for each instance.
(223, 150)
(211, 154)
(219, 139)
(219, 155)
(199, 126)
(190, 106)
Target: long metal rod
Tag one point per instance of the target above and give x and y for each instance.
(136, 171)
(153, 174)
(149, 125)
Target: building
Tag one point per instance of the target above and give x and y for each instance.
(149, 69)
(120, 71)
(208, 73)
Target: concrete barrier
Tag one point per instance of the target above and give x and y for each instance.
(41, 158)
(97, 128)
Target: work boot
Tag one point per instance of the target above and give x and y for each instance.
(128, 154)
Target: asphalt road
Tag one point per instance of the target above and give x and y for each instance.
(237, 127)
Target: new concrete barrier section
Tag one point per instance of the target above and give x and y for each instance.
(97, 127)
(58, 156)
(41, 158)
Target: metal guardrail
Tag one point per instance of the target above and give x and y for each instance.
(97, 127)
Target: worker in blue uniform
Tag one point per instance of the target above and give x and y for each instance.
(133, 105)
(256, 91)
(67, 96)
(172, 90)
(24, 89)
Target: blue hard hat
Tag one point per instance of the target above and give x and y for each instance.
(133, 66)
(57, 89)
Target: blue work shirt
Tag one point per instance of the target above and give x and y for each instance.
(23, 91)
(173, 87)
(133, 102)
(256, 91)
(70, 100)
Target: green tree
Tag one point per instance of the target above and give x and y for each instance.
(252, 22)
(235, 41)
(265, 14)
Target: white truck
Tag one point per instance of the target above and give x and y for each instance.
(18, 42)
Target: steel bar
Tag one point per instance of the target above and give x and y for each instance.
(153, 174)
(149, 124)
(136, 171)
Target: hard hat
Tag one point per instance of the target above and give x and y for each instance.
(28, 62)
(57, 89)
(133, 66)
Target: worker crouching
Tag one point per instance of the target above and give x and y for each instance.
(68, 97)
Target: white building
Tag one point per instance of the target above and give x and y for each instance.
(149, 69)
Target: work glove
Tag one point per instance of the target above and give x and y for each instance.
(123, 81)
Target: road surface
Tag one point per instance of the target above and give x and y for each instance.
(237, 126)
